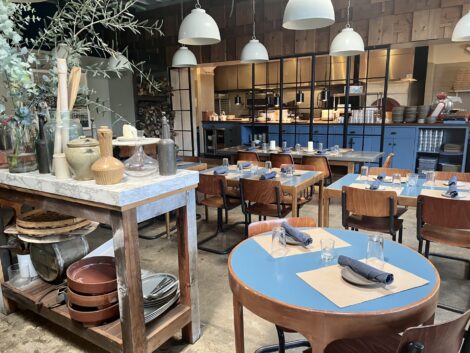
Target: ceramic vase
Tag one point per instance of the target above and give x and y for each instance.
(81, 153)
(107, 170)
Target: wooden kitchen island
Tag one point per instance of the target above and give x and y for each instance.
(122, 206)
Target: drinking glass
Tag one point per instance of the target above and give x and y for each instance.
(289, 170)
(225, 162)
(284, 145)
(265, 147)
(412, 179)
(268, 165)
(364, 172)
(240, 167)
(320, 146)
(375, 249)
(327, 249)
(298, 148)
(336, 149)
(396, 179)
(253, 144)
(430, 176)
(278, 241)
(18, 275)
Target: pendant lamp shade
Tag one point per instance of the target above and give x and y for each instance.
(308, 14)
(462, 29)
(198, 28)
(254, 52)
(277, 101)
(347, 43)
(238, 100)
(184, 57)
(299, 97)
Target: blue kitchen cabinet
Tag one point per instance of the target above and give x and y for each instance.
(402, 142)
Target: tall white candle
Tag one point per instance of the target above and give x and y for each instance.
(272, 144)
(310, 146)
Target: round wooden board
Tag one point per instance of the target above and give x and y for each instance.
(50, 231)
(45, 219)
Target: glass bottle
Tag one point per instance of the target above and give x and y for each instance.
(139, 164)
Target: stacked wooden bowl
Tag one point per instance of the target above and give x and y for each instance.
(92, 291)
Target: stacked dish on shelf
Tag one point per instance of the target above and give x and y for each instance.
(410, 114)
(92, 291)
(161, 291)
(423, 112)
(397, 114)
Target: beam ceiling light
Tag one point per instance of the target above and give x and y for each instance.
(462, 29)
(308, 14)
(254, 51)
(348, 42)
(184, 57)
(198, 28)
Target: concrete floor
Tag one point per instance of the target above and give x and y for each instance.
(24, 332)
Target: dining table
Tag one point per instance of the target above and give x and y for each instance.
(276, 289)
(344, 157)
(406, 195)
(293, 185)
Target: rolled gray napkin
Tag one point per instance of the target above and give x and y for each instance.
(452, 190)
(296, 234)
(365, 270)
(285, 149)
(246, 164)
(453, 180)
(220, 170)
(381, 176)
(251, 149)
(375, 185)
(267, 176)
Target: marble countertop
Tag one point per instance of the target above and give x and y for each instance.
(129, 191)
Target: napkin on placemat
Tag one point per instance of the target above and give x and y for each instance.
(285, 149)
(381, 176)
(366, 271)
(220, 170)
(296, 234)
(251, 149)
(375, 185)
(452, 190)
(179, 159)
(246, 164)
(267, 176)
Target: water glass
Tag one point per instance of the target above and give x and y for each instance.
(253, 144)
(225, 162)
(375, 248)
(320, 146)
(327, 249)
(268, 166)
(396, 179)
(298, 148)
(284, 145)
(18, 275)
(278, 242)
(412, 179)
(265, 147)
(290, 170)
(336, 149)
(430, 176)
(240, 167)
(364, 172)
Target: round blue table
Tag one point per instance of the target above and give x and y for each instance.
(271, 289)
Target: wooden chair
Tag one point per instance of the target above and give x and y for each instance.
(257, 228)
(446, 337)
(193, 159)
(443, 221)
(371, 210)
(278, 159)
(389, 171)
(321, 164)
(263, 198)
(247, 156)
(388, 161)
(216, 195)
(447, 175)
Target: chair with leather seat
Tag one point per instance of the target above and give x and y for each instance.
(447, 175)
(443, 221)
(389, 171)
(278, 159)
(305, 196)
(247, 156)
(216, 195)
(388, 161)
(445, 337)
(371, 210)
(263, 198)
(320, 164)
(257, 228)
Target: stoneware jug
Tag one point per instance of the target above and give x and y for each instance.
(107, 170)
(81, 153)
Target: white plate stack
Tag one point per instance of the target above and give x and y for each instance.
(161, 291)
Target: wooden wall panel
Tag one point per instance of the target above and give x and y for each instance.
(392, 29)
(273, 42)
(305, 41)
(219, 51)
(426, 24)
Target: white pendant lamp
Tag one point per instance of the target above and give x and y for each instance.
(184, 57)
(254, 51)
(308, 14)
(198, 28)
(348, 42)
(462, 29)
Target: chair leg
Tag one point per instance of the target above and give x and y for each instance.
(426, 249)
(226, 216)
(394, 236)
(283, 346)
(400, 235)
(206, 209)
(259, 218)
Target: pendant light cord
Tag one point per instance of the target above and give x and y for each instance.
(254, 21)
(182, 13)
(349, 7)
(198, 5)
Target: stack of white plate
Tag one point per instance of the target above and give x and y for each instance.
(161, 291)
